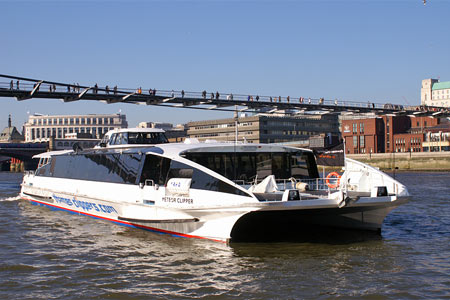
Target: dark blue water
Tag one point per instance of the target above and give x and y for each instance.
(48, 254)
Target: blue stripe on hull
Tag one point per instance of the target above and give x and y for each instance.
(118, 222)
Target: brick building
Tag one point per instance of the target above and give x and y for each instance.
(385, 134)
(363, 135)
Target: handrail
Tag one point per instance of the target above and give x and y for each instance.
(314, 184)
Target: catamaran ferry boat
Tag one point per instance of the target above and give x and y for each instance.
(217, 191)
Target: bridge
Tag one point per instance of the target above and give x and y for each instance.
(23, 152)
(23, 88)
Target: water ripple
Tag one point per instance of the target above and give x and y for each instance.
(54, 255)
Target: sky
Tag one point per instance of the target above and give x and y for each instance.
(360, 50)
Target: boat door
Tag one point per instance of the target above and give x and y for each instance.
(151, 192)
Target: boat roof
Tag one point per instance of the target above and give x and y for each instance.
(177, 149)
(50, 153)
(173, 150)
(150, 130)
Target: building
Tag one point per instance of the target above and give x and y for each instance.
(177, 134)
(437, 138)
(159, 125)
(435, 93)
(173, 133)
(10, 134)
(264, 128)
(385, 134)
(40, 128)
(364, 135)
(323, 141)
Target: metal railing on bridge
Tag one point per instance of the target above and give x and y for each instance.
(26, 88)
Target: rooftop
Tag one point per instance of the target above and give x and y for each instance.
(441, 85)
(10, 134)
(66, 116)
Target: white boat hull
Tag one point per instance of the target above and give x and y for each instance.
(254, 221)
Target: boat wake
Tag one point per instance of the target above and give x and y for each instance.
(6, 199)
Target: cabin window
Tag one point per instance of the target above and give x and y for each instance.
(135, 138)
(146, 138)
(122, 139)
(115, 168)
(155, 168)
(249, 165)
(112, 140)
(246, 163)
(181, 173)
(280, 166)
(263, 165)
(44, 167)
(201, 180)
(303, 165)
(105, 139)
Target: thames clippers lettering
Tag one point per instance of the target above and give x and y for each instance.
(86, 206)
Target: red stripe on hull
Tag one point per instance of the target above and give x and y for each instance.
(125, 223)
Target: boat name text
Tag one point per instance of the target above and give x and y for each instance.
(180, 200)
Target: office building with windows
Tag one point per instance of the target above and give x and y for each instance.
(265, 128)
(39, 128)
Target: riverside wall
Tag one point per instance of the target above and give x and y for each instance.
(414, 161)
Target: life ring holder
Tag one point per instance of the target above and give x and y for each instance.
(330, 176)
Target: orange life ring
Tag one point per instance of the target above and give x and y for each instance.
(329, 176)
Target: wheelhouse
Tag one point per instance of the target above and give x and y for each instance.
(134, 137)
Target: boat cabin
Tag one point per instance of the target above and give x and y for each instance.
(133, 137)
(223, 168)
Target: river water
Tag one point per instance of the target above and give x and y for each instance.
(48, 254)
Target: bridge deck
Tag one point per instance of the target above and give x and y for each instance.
(22, 151)
(25, 88)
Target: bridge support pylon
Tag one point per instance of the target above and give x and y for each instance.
(16, 165)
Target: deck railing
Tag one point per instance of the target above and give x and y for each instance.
(314, 184)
